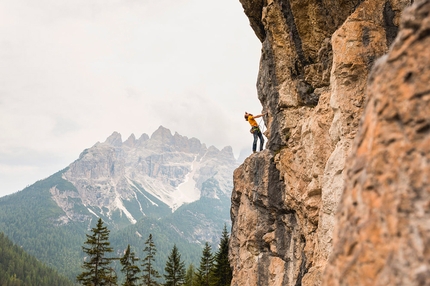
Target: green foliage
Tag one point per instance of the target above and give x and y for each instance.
(175, 269)
(129, 268)
(30, 218)
(222, 269)
(205, 209)
(164, 237)
(190, 276)
(205, 275)
(17, 268)
(150, 275)
(97, 270)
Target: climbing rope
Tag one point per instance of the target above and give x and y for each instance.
(259, 125)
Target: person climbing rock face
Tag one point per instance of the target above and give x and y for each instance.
(255, 130)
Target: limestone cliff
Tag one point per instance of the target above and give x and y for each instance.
(316, 60)
(382, 236)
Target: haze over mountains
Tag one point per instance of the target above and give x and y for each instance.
(172, 186)
(129, 178)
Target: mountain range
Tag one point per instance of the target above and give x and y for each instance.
(172, 186)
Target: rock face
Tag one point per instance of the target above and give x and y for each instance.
(383, 232)
(315, 64)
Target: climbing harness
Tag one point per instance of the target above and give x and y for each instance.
(254, 129)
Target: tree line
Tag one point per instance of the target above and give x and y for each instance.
(214, 268)
(18, 268)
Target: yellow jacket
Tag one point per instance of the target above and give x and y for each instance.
(252, 121)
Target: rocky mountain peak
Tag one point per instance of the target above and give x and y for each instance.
(114, 140)
(131, 141)
(165, 169)
(142, 139)
(162, 134)
(227, 153)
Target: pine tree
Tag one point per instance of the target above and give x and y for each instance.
(97, 268)
(222, 270)
(205, 275)
(111, 279)
(175, 269)
(190, 276)
(149, 273)
(129, 269)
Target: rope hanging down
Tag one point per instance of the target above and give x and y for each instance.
(259, 125)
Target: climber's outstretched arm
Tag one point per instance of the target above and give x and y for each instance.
(259, 115)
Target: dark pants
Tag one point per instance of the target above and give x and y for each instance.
(257, 134)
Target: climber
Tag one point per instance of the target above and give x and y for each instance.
(255, 130)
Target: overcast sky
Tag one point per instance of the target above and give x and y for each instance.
(72, 72)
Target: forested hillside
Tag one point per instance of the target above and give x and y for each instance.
(61, 245)
(18, 268)
(166, 185)
(27, 219)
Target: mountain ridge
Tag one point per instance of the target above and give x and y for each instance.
(169, 181)
(128, 171)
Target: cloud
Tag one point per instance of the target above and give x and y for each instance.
(75, 71)
(21, 166)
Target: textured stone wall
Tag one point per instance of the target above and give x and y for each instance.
(382, 233)
(315, 62)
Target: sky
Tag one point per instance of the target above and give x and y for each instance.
(73, 72)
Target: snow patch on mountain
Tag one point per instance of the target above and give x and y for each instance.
(187, 191)
(140, 205)
(119, 205)
(154, 204)
(158, 189)
(91, 211)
